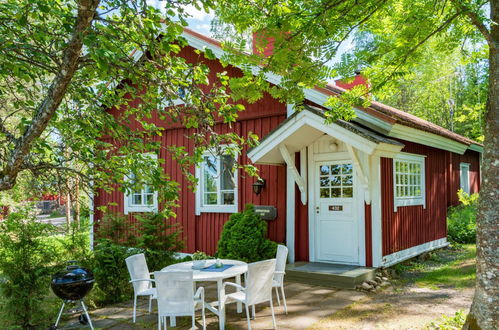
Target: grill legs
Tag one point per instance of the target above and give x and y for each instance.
(85, 311)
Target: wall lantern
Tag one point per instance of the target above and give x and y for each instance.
(258, 186)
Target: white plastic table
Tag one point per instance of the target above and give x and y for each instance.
(236, 271)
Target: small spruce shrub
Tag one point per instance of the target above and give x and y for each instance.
(461, 219)
(244, 238)
(152, 234)
(110, 271)
(158, 238)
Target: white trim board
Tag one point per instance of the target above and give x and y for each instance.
(316, 122)
(399, 256)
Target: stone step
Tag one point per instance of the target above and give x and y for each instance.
(330, 275)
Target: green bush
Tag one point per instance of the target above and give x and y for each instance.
(110, 271)
(27, 261)
(157, 238)
(461, 219)
(244, 238)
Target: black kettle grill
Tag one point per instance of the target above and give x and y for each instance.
(72, 285)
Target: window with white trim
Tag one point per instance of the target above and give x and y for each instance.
(409, 180)
(217, 189)
(141, 198)
(464, 177)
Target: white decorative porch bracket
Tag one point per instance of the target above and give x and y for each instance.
(362, 172)
(300, 180)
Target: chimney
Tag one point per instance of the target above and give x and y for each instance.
(348, 83)
(260, 40)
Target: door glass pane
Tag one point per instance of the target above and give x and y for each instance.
(324, 170)
(347, 192)
(335, 169)
(335, 192)
(325, 193)
(324, 181)
(335, 180)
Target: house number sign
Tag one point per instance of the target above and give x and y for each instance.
(266, 212)
(335, 207)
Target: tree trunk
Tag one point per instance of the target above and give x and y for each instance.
(484, 313)
(77, 202)
(68, 209)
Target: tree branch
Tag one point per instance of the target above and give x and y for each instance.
(475, 20)
(55, 94)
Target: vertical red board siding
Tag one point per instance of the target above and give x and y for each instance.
(301, 222)
(203, 232)
(472, 158)
(414, 225)
(368, 235)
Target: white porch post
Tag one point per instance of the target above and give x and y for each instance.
(290, 215)
(375, 166)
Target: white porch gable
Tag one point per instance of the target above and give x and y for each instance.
(305, 127)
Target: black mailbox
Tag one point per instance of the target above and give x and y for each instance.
(266, 212)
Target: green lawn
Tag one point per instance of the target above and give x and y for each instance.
(445, 268)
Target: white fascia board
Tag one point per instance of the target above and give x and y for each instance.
(388, 150)
(317, 122)
(429, 139)
(400, 256)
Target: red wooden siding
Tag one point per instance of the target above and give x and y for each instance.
(454, 184)
(368, 235)
(414, 225)
(301, 222)
(202, 232)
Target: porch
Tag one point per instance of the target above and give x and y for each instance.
(329, 275)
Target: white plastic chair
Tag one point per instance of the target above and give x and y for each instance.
(176, 296)
(140, 279)
(280, 267)
(258, 288)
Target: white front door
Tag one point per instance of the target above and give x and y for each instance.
(336, 212)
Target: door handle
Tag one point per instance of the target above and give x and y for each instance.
(317, 209)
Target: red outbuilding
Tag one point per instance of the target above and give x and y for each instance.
(370, 192)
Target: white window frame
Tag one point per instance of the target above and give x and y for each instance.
(130, 208)
(200, 208)
(466, 167)
(407, 201)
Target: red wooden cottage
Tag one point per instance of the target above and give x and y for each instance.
(370, 192)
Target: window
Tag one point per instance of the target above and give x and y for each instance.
(141, 199)
(464, 177)
(409, 180)
(217, 191)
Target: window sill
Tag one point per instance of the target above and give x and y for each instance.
(408, 202)
(218, 209)
(141, 209)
